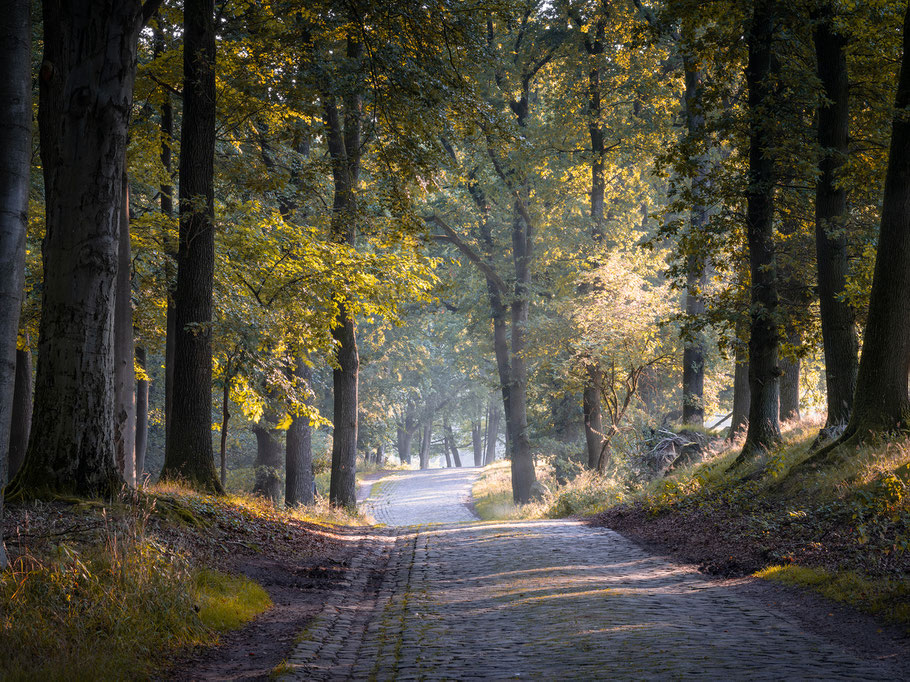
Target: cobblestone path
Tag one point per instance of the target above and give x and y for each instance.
(406, 498)
(548, 600)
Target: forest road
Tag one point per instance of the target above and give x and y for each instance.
(544, 600)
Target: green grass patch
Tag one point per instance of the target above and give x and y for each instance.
(228, 601)
(883, 597)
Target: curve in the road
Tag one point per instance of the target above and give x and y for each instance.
(407, 498)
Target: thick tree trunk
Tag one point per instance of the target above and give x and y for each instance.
(594, 428)
(86, 87)
(15, 163)
(380, 454)
(741, 396)
(445, 450)
(188, 452)
(403, 443)
(477, 442)
(21, 423)
(299, 450)
(268, 462)
(789, 389)
(124, 373)
(881, 402)
(837, 316)
(142, 414)
(764, 374)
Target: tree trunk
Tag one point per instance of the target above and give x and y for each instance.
(86, 87)
(225, 424)
(740, 421)
(764, 374)
(445, 450)
(881, 402)
(188, 451)
(380, 454)
(268, 462)
(477, 442)
(342, 489)
(594, 428)
(452, 445)
(124, 372)
(299, 450)
(22, 411)
(523, 474)
(492, 435)
(142, 414)
(837, 316)
(425, 436)
(15, 164)
(789, 389)
(167, 209)
(403, 443)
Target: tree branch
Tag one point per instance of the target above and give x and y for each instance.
(488, 271)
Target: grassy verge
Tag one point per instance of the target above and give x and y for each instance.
(99, 590)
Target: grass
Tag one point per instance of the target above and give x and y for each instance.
(95, 591)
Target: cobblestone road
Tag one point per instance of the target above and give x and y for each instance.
(545, 600)
(406, 498)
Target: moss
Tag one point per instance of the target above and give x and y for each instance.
(883, 597)
(227, 601)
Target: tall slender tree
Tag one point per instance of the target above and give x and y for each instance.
(15, 161)
(188, 449)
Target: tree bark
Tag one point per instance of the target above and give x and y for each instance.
(594, 428)
(693, 410)
(426, 435)
(523, 474)
(837, 315)
(299, 450)
(453, 446)
(344, 143)
(741, 395)
(225, 423)
(268, 462)
(142, 414)
(477, 442)
(445, 450)
(15, 164)
(492, 435)
(764, 374)
(188, 451)
(789, 389)
(86, 86)
(881, 402)
(124, 372)
(22, 411)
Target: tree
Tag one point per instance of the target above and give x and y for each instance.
(86, 87)
(764, 380)
(188, 450)
(837, 314)
(15, 163)
(881, 402)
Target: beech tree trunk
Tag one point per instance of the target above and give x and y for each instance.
(594, 429)
(142, 414)
(881, 402)
(268, 462)
(15, 164)
(188, 451)
(299, 450)
(86, 87)
(21, 422)
(764, 374)
(124, 373)
(837, 316)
